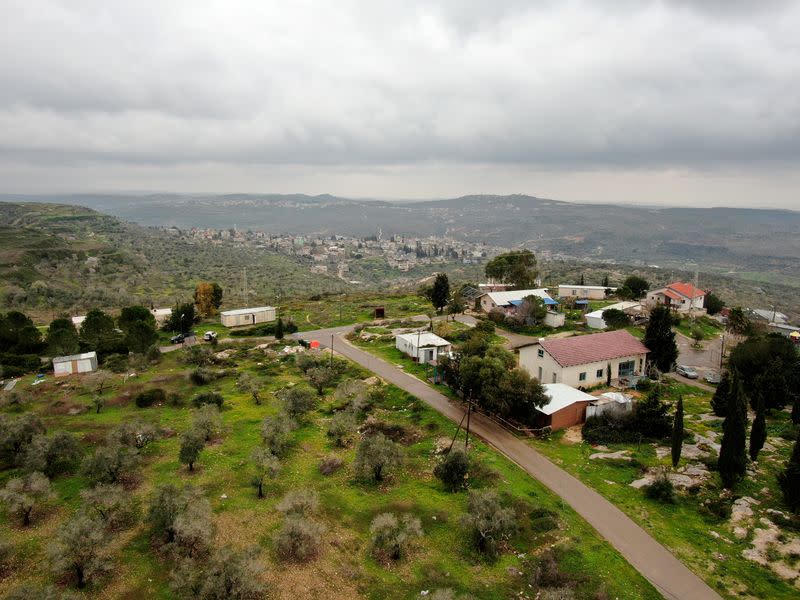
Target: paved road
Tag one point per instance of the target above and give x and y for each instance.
(651, 559)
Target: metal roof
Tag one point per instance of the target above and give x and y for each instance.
(246, 311)
(561, 396)
(424, 339)
(505, 298)
(85, 355)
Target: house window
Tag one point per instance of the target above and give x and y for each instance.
(582, 376)
(599, 373)
(541, 353)
(554, 378)
(626, 368)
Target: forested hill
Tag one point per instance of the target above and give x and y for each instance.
(55, 257)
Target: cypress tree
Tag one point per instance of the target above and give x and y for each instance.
(789, 479)
(677, 433)
(796, 410)
(732, 455)
(719, 403)
(758, 433)
(279, 329)
(660, 339)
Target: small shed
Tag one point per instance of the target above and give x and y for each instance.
(247, 316)
(76, 363)
(567, 406)
(610, 402)
(424, 347)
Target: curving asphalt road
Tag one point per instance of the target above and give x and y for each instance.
(659, 566)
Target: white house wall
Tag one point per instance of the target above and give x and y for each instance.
(552, 372)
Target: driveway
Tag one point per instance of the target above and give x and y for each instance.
(667, 574)
(706, 358)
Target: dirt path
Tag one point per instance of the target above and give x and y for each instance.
(667, 574)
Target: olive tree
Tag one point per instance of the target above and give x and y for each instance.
(227, 574)
(276, 431)
(16, 433)
(207, 421)
(489, 523)
(297, 401)
(341, 428)
(134, 434)
(453, 470)
(391, 536)
(180, 518)
(320, 378)
(52, 455)
(23, 494)
(375, 456)
(298, 539)
(299, 503)
(77, 551)
(111, 505)
(192, 444)
(265, 465)
(111, 463)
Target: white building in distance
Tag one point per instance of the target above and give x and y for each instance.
(423, 346)
(247, 316)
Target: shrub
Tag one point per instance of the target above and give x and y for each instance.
(489, 523)
(208, 398)
(276, 431)
(227, 574)
(661, 490)
(453, 470)
(206, 421)
(391, 536)
(175, 400)
(52, 455)
(298, 539)
(543, 520)
(341, 428)
(330, 464)
(375, 456)
(116, 363)
(150, 397)
(134, 434)
(299, 503)
(203, 376)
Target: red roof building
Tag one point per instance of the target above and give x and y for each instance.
(585, 360)
(679, 296)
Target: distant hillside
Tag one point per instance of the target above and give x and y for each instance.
(55, 257)
(756, 245)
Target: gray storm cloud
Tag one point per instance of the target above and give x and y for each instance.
(617, 85)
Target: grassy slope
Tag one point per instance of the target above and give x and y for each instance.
(344, 569)
(682, 527)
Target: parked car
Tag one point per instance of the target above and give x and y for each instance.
(687, 372)
(181, 337)
(713, 377)
(210, 335)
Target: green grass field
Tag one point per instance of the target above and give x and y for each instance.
(344, 568)
(684, 527)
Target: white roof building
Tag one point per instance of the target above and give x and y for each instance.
(492, 300)
(75, 363)
(561, 396)
(594, 319)
(423, 346)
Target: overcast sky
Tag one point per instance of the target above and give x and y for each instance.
(682, 102)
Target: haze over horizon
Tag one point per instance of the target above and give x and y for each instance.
(653, 103)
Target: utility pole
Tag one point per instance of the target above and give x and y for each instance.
(331, 361)
(469, 413)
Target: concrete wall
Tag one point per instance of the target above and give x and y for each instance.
(552, 372)
(554, 319)
(82, 365)
(565, 291)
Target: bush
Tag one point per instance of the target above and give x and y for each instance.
(489, 523)
(298, 539)
(150, 397)
(204, 375)
(330, 464)
(174, 400)
(299, 503)
(375, 456)
(610, 428)
(341, 428)
(135, 434)
(661, 490)
(391, 536)
(214, 398)
(453, 470)
(116, 363)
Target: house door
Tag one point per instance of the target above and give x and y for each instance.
(428, 355)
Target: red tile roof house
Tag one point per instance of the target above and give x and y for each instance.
(583, 360)
(679, 296)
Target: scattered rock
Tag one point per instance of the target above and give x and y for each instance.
(767, 541)
(224, 354)
(739, 532)
(372, 380)
(618, 455)
(709, 417)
